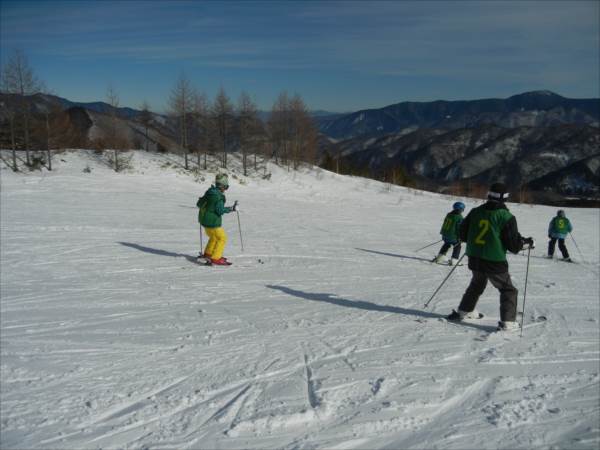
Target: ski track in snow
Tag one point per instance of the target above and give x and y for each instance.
(113, 337)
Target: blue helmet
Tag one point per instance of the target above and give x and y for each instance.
(459, 206)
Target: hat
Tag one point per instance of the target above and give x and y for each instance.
(560, 213)
(497, 192)
(221, 180)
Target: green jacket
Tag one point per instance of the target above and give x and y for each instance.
(211, 207)
(484, 236)
(451, 226)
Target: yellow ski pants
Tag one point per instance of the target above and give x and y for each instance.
(216, 242)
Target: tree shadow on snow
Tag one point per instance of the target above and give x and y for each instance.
(361, 304)
(159, 252)
(393, 254)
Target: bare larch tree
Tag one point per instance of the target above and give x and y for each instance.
(222, 115)
(181, 105)
(145, 118)
(248, 128)
(112, 99)
(18, 78)
(201, 125)
(303, 133)
(279, 128)
(292, 131)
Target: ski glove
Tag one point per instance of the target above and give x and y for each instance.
(529, 241)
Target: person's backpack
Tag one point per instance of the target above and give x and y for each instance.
(201, 204)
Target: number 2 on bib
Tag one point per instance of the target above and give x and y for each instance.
(484, 226)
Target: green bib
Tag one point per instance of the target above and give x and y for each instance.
(483, 238)
(449, 230)
(560, 225)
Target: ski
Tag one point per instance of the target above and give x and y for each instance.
(474, 322)
(466, 319)
(497, 332)
(446, 264)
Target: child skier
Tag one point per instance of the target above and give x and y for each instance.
(449, 232)
(558, 229)
(212, 207)
(489, 231)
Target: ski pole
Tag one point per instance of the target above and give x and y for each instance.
(577, 246)
(429, 245)
(447, 276)
(525, 293)
(240, 228)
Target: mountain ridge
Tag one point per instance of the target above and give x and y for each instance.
(554, 154)
(536, 158)
(533, 108)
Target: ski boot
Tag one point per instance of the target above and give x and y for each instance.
(220, 262)
(508, 326)
(457, 316)
(438, 259)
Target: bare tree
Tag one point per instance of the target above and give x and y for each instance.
(248, 129)
(292, 131)
(11, 120)
(18, 78)
(303, 133)
(201, 126)
(113, 133)
(279, 128)
(181, 104)
(51, 115)
(222, 113)
(145, 118)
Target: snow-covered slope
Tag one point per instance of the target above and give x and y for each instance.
(316, 337)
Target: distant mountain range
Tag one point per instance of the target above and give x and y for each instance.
(100, 107)
(536, 141)
(563, 159)
(537, 109)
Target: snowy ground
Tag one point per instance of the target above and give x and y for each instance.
(316, 337)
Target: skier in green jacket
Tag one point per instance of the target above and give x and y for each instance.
(489, 231)
(211, 208)
(449, 232)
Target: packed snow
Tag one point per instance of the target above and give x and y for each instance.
(316, 336)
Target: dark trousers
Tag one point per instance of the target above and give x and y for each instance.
(455, 249)
(561, 246)
(502, 282)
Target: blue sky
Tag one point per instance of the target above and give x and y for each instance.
(339, 56)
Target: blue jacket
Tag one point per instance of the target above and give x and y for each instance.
(559, 227)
